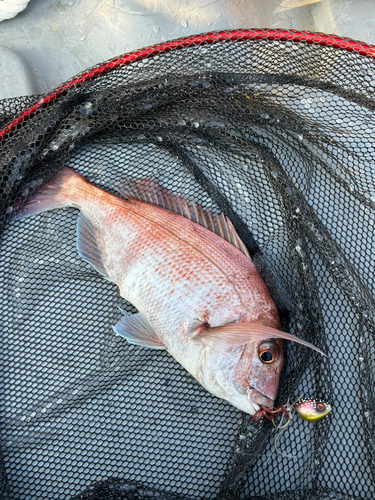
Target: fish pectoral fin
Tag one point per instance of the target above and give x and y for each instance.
(221, 338)
(87, 245)
(137, 330)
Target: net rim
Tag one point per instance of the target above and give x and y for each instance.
(310, 37)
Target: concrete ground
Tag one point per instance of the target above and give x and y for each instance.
(55, 39)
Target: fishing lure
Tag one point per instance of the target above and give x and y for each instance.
(309, 409)
(312, 409)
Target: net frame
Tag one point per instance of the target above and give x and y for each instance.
(340, 43)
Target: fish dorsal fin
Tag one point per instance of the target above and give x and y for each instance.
(87, 245)
(151, 192)
(137, 330)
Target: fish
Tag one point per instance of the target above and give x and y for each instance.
(189, 275)
(312, 409)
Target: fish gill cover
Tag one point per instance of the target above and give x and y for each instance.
(275, 130)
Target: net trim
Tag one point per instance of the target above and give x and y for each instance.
(341, 43)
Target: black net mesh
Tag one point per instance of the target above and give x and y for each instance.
(276, 134)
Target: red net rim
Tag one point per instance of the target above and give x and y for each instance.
(334, 41)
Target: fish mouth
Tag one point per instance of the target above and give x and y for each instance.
(258, 398)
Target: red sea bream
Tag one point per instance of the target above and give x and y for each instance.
(189, 275)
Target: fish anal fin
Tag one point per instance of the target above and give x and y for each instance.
(221, 338)
(137, 330)
(87, 245)
(150, 191)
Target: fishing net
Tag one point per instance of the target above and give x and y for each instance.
(274, 129)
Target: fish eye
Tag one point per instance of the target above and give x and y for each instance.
(320, 407)
(269, 352)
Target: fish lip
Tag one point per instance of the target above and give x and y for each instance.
(255, 406)
(258, 398)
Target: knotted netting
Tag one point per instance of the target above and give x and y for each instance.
(274, 129)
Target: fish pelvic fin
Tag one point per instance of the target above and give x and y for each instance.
(150, 191)
(57, 193)
(221, 338)
(137, 330)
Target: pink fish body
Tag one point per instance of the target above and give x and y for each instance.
(198, 295)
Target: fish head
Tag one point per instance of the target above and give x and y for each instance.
(263, 362)
(243, 361)
(247, 376)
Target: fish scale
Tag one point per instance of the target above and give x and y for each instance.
(173, 264)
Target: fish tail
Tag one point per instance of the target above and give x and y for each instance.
(61, 191)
